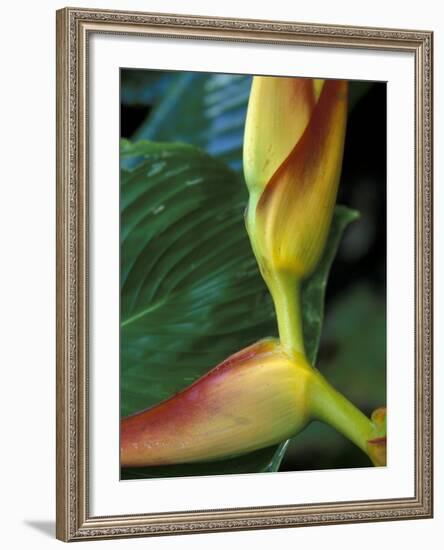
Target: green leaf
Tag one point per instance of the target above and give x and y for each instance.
(313, 289)
(191, 293)
(215, 106)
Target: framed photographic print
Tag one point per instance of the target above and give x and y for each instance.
(244, 318)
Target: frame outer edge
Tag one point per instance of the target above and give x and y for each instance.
(73, 521)
(429, 247)
(427, 283)
(62, 260)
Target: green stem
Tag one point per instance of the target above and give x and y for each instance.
(330, 406)
(285, 290)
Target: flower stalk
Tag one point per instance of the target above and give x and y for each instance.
(331, 407)
(286, 293)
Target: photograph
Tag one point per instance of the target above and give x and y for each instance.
(253, 229)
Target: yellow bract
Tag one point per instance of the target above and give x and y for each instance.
(279, 110)
(256, 398)
(293, 149)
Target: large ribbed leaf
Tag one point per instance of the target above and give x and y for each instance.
(190, 290)
(215, 105)
(191, 293)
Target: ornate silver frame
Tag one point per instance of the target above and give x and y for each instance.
(74, 521)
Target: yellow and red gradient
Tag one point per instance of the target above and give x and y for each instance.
(255, 398)
(279, 110)
(293, 148)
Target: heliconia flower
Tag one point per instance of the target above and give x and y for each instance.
(293, 147)
(377, 445)
(256, 398)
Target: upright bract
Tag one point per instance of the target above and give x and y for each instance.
(294, 138)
